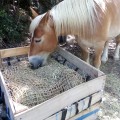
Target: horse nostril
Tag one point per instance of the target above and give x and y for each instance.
(40, 65)
(32, 66)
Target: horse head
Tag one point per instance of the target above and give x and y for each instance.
(43, 40)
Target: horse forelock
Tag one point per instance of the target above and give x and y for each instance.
(35, 22)
(71, 15)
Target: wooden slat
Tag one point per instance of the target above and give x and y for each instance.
(96, 97)
(62, 100)
(90, 70)
(14, 51)
(81, 107)
(71, 110)
(67, 55)
(92, 108)
(58, 116)
(19, 107)
(8, 99)
(0, 60)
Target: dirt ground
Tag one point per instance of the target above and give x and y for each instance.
(110, 109)
(111, 101)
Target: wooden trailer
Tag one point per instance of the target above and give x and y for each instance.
(79, 103)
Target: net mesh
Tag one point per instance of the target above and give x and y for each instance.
(31, 87)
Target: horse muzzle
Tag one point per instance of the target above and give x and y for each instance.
(35, 62)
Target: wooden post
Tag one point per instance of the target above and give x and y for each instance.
(0, 60)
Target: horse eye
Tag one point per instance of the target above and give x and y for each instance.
(37, 41)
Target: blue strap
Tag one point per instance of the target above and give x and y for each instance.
(87, 115)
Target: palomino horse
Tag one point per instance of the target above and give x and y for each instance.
(92, 21)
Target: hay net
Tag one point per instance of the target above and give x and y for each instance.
(31, 87)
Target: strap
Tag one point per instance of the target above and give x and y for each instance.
(8, 61)
(64, 112)
(89, 104)
(76, 105)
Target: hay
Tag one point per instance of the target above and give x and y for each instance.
(31, 87)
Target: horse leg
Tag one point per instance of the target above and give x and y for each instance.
(117, 50)
(85, 53)
(84, 49)
(105, 52)
(97, 57)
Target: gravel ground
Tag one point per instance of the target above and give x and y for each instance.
(111, 104)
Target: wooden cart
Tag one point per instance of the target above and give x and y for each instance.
(79, 103)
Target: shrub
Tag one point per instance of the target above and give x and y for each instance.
(13, 25)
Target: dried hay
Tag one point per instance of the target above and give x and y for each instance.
(31, 87)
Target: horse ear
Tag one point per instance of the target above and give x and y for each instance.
(47, 19)
(34, 13)
(50, 21)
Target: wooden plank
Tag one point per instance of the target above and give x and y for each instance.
(19, 107)
(14, 51)
(70, 57)
(67, 55)
(0, 60)
(82, 105)
(58, 116)
(90, 70)
(62, 100)
(8, 99)
(92, 108)
(96, 97)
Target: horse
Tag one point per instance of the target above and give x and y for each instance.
(94, 22)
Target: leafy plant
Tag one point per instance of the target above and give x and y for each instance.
(13, 25)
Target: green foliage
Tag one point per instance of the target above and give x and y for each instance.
(46, 5)
(14, 24)
(14, 20)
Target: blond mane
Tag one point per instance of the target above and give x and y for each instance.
(71, 15)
